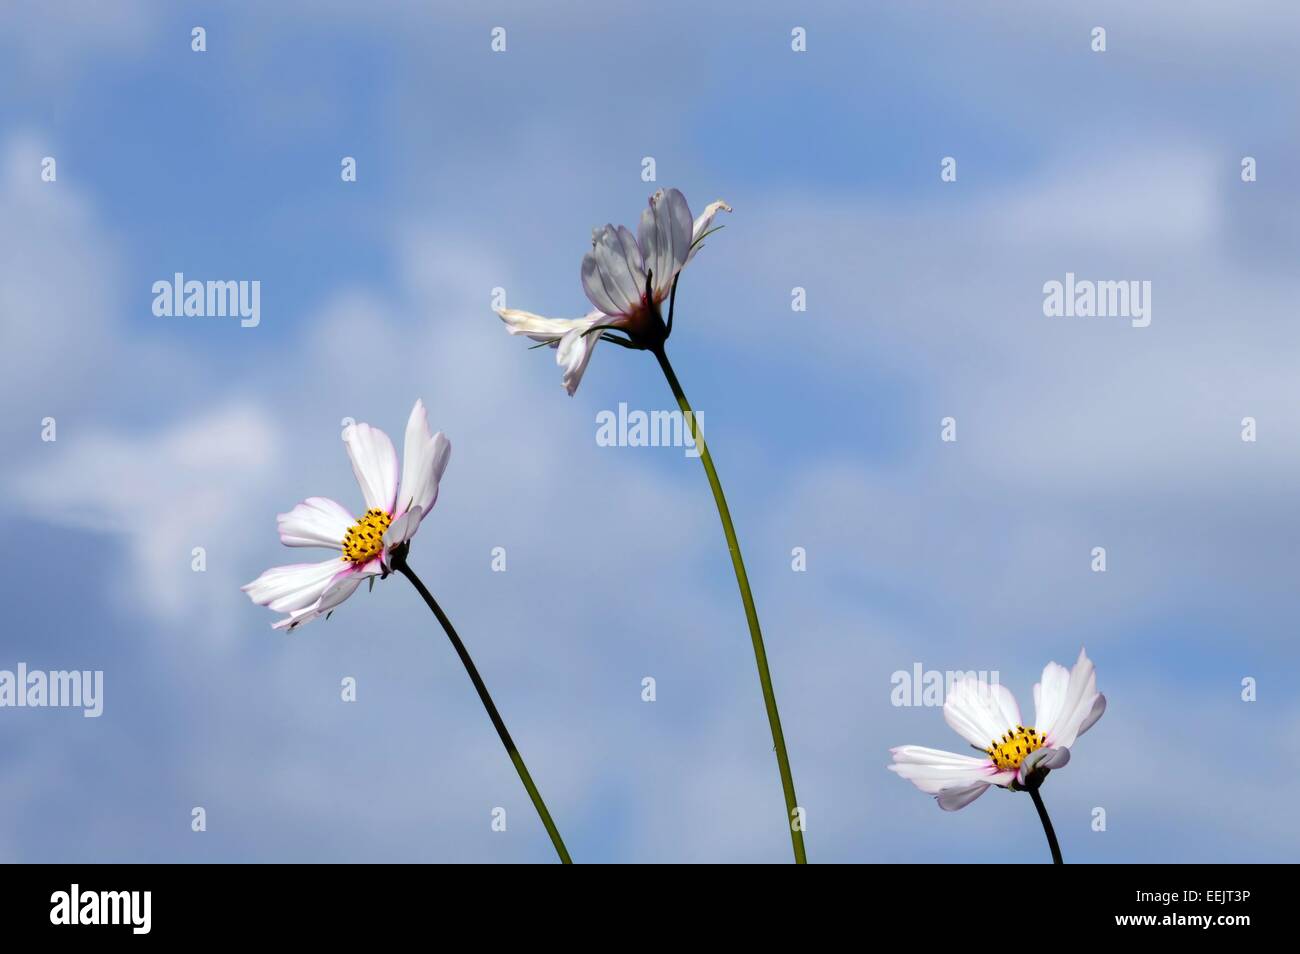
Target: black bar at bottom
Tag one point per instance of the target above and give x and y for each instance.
(90, 903)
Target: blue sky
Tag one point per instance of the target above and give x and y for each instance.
(479, 170)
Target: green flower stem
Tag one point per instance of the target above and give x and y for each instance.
(1047, 826)
(399, 564)
(751, 614)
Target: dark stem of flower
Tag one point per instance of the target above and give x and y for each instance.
(1047, 825)
(620, 341)
(398, 561)
(655, 334)
(672, 305)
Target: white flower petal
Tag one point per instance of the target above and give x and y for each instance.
(1066, 702)
(403, 528)
(566, 335)
(1098, 708)
(655, 248)
(374, 461)
(1045, 759)
(980, 712)
(574, 352)
(955, 799)
(613, 275)
(338, 589)
(594, 286)
(295, 619)
(702, 224)
(316, 522)
(293, 587)
(424, 458)
(542, 329)
(628, 256)
(1008, 708)
(414, 463)
(1049, 695)
(932, 770)
(664, 234)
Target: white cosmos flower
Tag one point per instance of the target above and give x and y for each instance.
(1066, 704)
(393, 513)
(614, 277)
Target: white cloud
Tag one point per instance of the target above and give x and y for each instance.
(161, 494)
(56, 277)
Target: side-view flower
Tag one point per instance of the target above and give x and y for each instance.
(1015, 756)
(376, 545)
(628, 278)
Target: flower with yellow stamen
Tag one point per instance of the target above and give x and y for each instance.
(1016, 756)
(394, 511)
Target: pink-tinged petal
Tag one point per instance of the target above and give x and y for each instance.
(339, 590)
(955, 799)
(932, 770)
(316, 522)
(341, 586)
(980, 712)
(702, 224)
(288, 588)
(374, 461)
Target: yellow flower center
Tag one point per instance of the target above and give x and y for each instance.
(1009, 751)
(365, 539)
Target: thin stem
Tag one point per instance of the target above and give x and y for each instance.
(400, 565)
(672, 306)
(619, 340)
(1047, 826)
(794, 817)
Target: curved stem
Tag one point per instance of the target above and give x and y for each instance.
(794, 818)
(1047, 826)
(400, 565)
